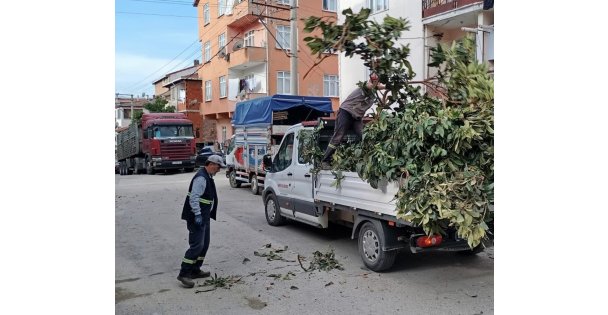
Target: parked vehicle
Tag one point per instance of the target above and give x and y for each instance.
(293, 192)
(160, 141)
(205, 153)
(258, 125)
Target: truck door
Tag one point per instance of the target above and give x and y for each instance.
(282, 167)
(302, 182)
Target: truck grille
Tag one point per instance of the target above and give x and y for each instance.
(176, 151)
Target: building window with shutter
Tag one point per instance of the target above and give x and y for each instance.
(221, 41)
(221, 7)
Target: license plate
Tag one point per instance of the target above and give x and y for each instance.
(177, 162)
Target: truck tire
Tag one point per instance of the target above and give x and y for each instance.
(233, 182)
(371, 242)
(255, 185)
(149, 168)
(273, 213)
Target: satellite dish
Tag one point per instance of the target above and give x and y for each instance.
(238, 45)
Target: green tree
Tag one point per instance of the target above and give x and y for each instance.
(440, 145)
(158, 105)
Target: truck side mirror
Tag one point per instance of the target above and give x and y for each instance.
(267, 160)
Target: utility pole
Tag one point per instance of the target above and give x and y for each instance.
(294, 48)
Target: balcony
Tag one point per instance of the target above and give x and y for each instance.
(247, 57)
(435, 7)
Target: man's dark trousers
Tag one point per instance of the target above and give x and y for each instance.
(344, 122)
(198, 239)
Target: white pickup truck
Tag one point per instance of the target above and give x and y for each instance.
(293, 192)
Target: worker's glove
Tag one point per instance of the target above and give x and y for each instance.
(198, 219)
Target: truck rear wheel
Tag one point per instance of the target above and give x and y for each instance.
(273, 213)
(255, 185)
(371, 242)
(233, 182)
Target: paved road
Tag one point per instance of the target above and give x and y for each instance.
(151, 240)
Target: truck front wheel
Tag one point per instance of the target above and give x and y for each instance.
(273, 214)
(233, 182)
(149, 168)
(371, 242)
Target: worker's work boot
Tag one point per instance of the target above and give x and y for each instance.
(325, 166)
(187, 282)
(197, 274)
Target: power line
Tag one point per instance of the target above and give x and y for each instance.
(154, 14)
(153, 73)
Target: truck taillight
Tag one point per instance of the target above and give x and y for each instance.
(428, 241)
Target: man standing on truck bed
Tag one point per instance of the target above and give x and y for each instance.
(350, 115)
(200, 206)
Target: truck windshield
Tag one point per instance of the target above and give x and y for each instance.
(167, 131)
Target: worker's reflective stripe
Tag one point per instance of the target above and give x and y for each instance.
(188, 261)
(201, 258)
(205, 201)
(331, 146)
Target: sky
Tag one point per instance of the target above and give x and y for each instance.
(153, 38)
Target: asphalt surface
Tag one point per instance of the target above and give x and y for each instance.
(151, 240)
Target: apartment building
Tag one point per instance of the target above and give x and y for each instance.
(448, 20)
(182, 90)
(245, 50)
(352, 69)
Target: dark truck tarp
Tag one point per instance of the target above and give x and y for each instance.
(259, 110)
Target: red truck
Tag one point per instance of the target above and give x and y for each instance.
(160, 141)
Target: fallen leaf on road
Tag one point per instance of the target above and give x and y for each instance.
(293, 287)
(328, 284)
(246, 260)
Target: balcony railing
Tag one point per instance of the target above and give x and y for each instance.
(247, 56)
(434, 7)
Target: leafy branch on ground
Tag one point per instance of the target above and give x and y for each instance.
(220, 282)
(322, 261)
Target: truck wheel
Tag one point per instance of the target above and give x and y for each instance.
(149, 168)
(370, 248)
(273, 214)
(233, 182)
(123, 169)
(255, 185)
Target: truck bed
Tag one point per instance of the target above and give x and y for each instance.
(356, 193)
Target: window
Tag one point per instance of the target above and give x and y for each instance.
(330, 5)
(377, 5)
(222, 86)
(283, 158)
(301, 144)
(221, 41)
(221, 7)
(206, 16)
(283, 36)
(182, 95)
(283, 82)
(207, 51)
(331, 85)
(208, 90)
(249, 39)
(285, 2)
